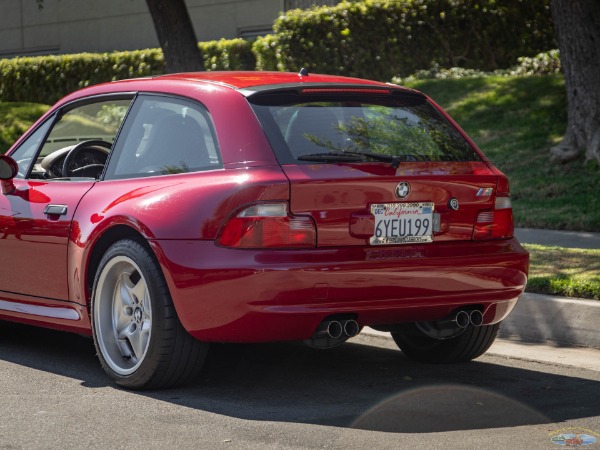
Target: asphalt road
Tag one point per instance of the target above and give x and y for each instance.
(361, 395)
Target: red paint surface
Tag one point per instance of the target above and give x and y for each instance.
(257, 295)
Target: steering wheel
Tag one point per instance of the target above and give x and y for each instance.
(96, 144)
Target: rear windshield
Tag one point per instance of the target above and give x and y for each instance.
(404, 126)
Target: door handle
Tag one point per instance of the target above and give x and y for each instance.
(55, 210)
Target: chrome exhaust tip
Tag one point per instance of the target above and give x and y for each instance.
(462, 319)
(334, 329)
(476, 318)
(351, 328)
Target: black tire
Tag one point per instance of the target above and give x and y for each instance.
(139, 339)
(468, 345)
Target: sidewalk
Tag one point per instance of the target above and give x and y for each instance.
(570, 239)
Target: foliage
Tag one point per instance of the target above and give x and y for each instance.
(570, 272)
(413, 133)
(112, 115)
(370, 39)
(379, 39)
(541, 64)
(545, 63)
(515, 120)
(267, 52)
(45, 79)
(233, 54)
(15, 119)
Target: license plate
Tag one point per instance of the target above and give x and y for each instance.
(402, 223)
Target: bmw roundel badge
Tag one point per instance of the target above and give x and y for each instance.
(403, 189)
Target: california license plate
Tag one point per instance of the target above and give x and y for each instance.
(402, 223)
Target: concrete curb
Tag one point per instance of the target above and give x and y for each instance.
(540, 318)
(563, 321)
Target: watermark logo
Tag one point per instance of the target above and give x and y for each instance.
(574, 437)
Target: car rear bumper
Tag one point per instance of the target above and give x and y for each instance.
(231, 295)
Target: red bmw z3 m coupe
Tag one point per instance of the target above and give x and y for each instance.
(158, 215)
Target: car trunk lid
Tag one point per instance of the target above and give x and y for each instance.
(339, 197)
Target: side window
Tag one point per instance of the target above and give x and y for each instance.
(80, 140)
(165, 136)
(95, 121)
(25, 154)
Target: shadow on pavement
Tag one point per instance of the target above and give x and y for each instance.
(355, 385)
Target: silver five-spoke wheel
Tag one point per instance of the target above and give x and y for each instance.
(140, 341)
(123, 315)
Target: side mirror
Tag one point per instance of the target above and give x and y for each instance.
(8, 170)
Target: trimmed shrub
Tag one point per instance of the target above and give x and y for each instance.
(45, 79)
(233, 54)
(380, 39)
(267, 52)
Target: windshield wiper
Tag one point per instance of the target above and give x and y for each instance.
(393, 160)
(350, 156)
(330, 156)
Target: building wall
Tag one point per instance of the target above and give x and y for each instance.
(70, 26)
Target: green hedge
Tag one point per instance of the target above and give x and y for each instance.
(232, 54)
(381, 39)
(369, 39)
(45, 79)
(268, 53)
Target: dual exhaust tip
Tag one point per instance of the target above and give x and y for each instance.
(344, 329)
(337, 329)
(465, 318)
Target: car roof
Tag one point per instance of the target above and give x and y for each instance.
(245, 82)
(248, 79)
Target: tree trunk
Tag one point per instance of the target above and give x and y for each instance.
(176, 35)
(577, 25)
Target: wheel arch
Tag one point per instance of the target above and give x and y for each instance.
(102, 244)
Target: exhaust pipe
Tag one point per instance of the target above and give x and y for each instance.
(459, 319)
(351, 328)
(331, 328)
(476, 318)
(462, 319)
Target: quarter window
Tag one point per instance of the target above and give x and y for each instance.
(165, 136)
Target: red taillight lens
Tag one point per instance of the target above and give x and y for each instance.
(495, 223)
(268, 225)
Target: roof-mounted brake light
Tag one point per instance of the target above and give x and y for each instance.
(344, 91)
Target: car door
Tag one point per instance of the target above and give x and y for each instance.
(36, 219)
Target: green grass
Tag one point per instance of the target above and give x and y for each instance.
(515, 121)
(15, 119)
(568, 272)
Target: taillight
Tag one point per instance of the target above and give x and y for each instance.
(268, 225)
(495, 223)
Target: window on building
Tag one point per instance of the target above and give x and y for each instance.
(304, 4)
